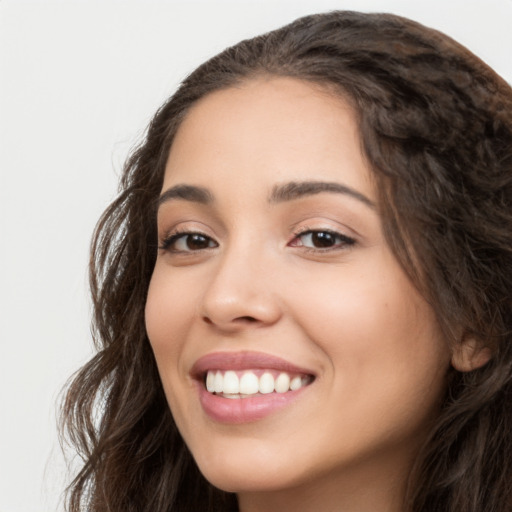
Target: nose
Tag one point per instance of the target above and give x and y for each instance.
(241, 293)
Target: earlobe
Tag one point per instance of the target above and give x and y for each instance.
(470, 355)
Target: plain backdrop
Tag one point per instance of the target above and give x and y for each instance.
(79, 80)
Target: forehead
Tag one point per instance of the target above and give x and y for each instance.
(269, 130)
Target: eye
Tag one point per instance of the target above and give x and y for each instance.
(321, 239)
(187, 242)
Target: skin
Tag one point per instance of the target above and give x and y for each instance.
(348, 313)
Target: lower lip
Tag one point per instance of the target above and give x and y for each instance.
(245, 410)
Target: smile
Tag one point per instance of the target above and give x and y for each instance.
(244, 384)
(247, 386)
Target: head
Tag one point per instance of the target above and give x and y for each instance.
(430, 127)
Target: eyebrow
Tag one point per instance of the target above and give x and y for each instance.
(280, 193)
(296, 190)
(187, 193)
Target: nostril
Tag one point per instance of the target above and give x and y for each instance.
(241, 320)
(236, 323)
(245, 319)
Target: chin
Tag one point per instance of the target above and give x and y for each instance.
(236, 473)
(250, 481)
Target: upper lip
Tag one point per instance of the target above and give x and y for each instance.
(246, 360)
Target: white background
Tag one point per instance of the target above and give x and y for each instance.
(79, 81)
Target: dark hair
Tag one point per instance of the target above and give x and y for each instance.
(436, 126)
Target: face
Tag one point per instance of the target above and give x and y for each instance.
(274, 283)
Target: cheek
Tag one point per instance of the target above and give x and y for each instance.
(168, 317)
(371, 301)
(381, 338)
(168, 320)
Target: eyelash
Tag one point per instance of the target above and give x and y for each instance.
(343, 241)
(172, 238)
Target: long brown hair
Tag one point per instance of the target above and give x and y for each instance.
(436, 126)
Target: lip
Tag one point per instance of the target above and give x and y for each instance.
(244, 410)
(246, 360)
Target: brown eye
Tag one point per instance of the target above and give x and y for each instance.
(197, 242)
(188, 242)
(322, 239)
(319, 239)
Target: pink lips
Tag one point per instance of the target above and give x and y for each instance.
(236, 411)
(243, 361)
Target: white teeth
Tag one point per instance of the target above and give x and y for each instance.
(218, 383)
(266, 383)
(226, 395)
(282, 384)
(210, 382)
(249, 384)
(232, 385)
(295, 383)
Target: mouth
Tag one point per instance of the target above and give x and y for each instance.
(250, 383)
(247, 386)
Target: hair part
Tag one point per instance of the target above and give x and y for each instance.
(436, 127)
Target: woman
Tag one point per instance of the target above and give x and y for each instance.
(302, 294)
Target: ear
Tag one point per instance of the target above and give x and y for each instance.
(470, 355)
